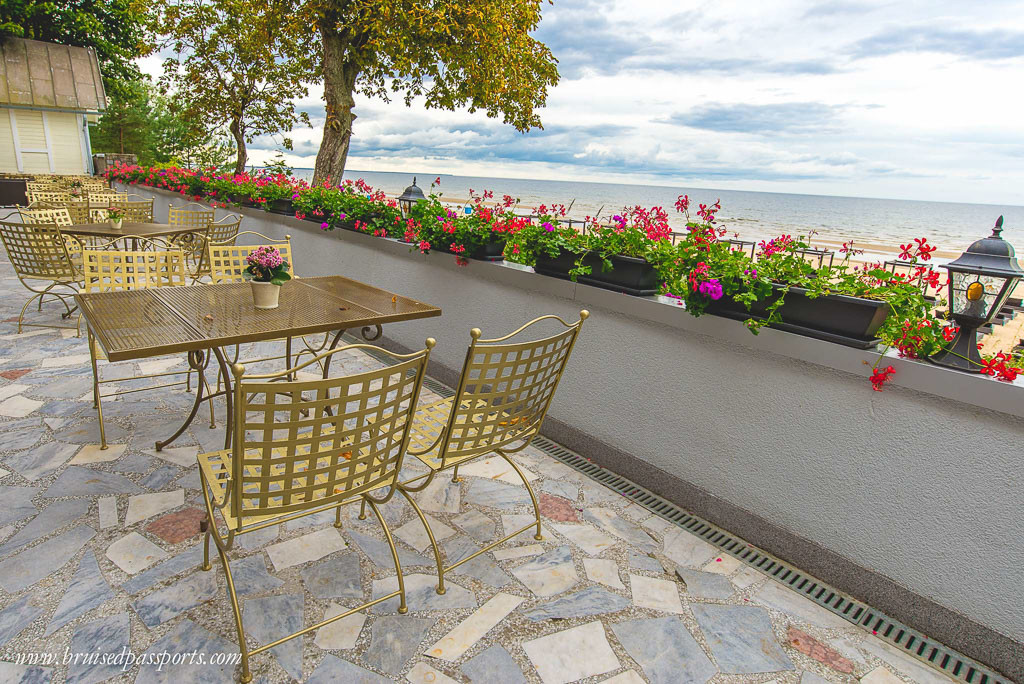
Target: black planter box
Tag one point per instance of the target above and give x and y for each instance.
(850, 321)
(629, 274)
(281, 206)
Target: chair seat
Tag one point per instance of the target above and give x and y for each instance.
(216, 468)
(430, 422)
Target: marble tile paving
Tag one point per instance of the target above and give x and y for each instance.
(100, 550)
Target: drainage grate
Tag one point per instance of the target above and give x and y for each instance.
(910, 641)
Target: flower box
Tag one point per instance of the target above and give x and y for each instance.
(850, 321)
(629, 274)
(492, 250)
(281, 206)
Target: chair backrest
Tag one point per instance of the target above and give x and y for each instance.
(303, 444)
(136, 211)
(58, 215)
(79, 210)
(189, 217)
(42, 186)
(37, 251)
(228, 260)
(58, 196)
(506, 389)
(110, 266)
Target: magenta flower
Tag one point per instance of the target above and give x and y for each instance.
(712, 289)
(323, 226)
(548, 227)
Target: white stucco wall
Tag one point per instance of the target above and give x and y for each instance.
(920, 483)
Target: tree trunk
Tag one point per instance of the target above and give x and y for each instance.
(120, 136)
(239, 136)
(339, 84)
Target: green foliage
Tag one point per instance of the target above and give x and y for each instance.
(118, 30)
(236, 65)
(446, 53)
(142, 122)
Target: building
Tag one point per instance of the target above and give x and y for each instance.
(48, 93)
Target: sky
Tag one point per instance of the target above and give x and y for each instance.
(902, 99)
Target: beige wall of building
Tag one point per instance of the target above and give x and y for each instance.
(33, 141)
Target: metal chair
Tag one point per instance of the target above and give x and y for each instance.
(78, 209)
(198, 218)
(282, 465)
(38, 252)
(137, 210)
(58, 216)
(58, 196)
(222, 234)
(228, 261)
(499, 407)
(109, 268)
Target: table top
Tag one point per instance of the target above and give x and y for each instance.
(129, 228)
(135, 324)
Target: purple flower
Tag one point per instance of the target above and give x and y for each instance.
(295, 196)
(323, 226)
(712, 289)
(548, 227)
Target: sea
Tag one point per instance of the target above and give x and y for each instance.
(877, 225)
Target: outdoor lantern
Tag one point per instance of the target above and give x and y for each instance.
(979, 283)
(411, 196)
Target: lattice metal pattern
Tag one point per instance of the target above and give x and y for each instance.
(503, 396)
(79, 211)
(105, 270)
(228, 261)
(221, 234)
(37, 251)
(199, 219)
(59, 197)
(57, 216)
(136, 211)
(295, 456)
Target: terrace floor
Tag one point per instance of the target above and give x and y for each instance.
(99, 552)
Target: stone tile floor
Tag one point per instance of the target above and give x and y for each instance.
(99, 553)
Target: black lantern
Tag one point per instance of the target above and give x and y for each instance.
(411, 196)
(979, 283)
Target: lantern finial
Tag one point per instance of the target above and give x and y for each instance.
(999, 227)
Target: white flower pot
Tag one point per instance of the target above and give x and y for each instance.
(115, 224)
(265, 295)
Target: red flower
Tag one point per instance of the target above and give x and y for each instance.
(991, 366)
(949, 333)
(906, 253)
(881, 376)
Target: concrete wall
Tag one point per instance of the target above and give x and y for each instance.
(777, 437)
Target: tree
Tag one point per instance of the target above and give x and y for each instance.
(452, 53)
(238, 64)
(126, 125)
(118, 30)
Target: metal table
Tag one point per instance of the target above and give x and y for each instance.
(202, 319)
(129, 229)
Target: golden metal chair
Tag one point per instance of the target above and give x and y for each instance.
(136, 210)
(499, 407)
(108, 268)
(228, 260)
(58, 196)
(58, 216)
(38, 252)
(196, 217)
(78, 209)
(302, 447)
(221, 234)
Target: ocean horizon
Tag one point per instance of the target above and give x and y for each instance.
(879, 225)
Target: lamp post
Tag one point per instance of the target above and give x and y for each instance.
(411, 196)
(980, 280)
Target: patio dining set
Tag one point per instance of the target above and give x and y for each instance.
(298, 440)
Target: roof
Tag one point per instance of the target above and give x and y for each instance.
(50, 76)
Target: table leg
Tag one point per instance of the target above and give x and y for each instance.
(198, 361)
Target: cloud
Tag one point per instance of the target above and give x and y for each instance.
(837, 8)
(991, 44)
(793, 118)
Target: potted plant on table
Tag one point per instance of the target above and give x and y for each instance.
(266, 272)
(115, 216)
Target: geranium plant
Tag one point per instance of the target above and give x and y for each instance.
(116, 213)
(266, 265)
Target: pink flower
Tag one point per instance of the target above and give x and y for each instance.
(324, 225)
